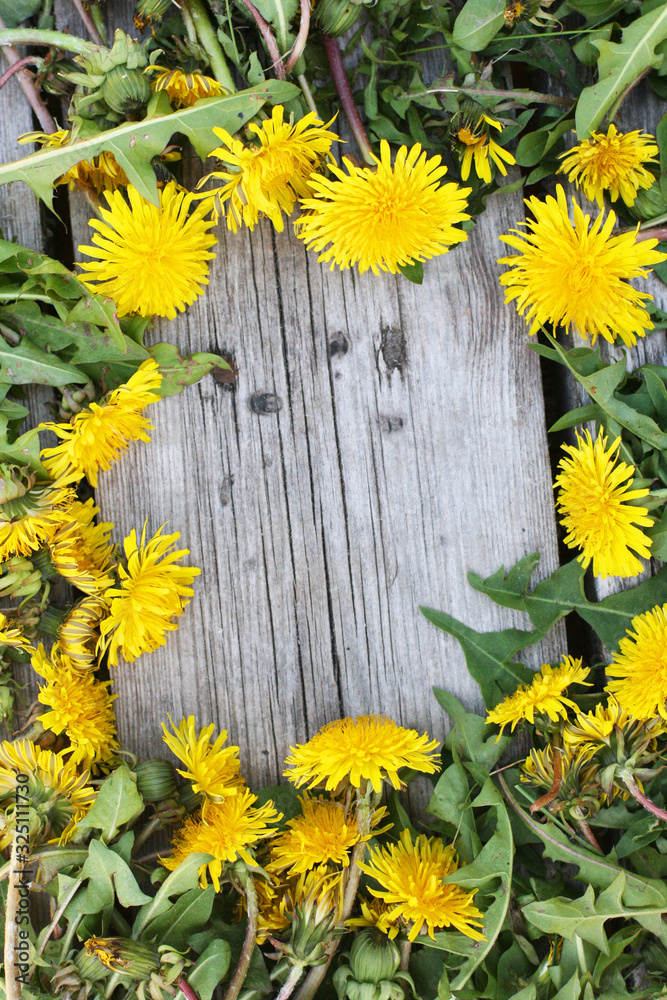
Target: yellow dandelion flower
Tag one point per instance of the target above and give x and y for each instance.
(577, 274)
(11, 635)
(58, 795)
(212, 768)
(477, 147)
(79, 634)
(322, 835)
(589, 730)
(184, 89)
(410, 875)
(267, 178)
(150, 260)
(272, 918)
(30, 512)
(366, 749)
(79, 706)
(613, 162)
(153, 591)
(97, 437)
(80, 549)
(383, 218)
(545, 695)
(376, 913)
(102, 173)
(229, 831)
(593, 501)
(639, 668)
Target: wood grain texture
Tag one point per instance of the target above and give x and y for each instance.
(381, 439)
(403, 445)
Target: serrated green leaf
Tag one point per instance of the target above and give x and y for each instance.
(188, 915)
(619, 65)
(210, 969)
(28, 364)
(109, 877)
(580, 415)
(118, 801)
(489, 654)
(478, 23)
(451, 802)
(134, 144)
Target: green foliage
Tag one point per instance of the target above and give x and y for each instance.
(117, 803)
(134, 144)
(478, 24)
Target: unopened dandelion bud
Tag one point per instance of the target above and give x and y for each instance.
(373, 957)
(655, 956)
(89, 966)
(648, 204)
(136, 959)
(7, 703)
(190, 799)
(126, 90)
(156, 780)
(151, 10)
(335, 17)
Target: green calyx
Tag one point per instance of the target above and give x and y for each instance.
(126, 90)
(335, 17)
(156, 780)
(136, 959)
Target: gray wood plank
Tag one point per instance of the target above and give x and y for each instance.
(321, 527)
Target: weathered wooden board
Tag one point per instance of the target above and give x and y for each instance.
(381, 439)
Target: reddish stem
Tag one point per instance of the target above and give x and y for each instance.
(18, 66)
(656, 233)
(269, 38)
(544, 800)
(588, 834)
(186, 989)
(301, 38)
(88, 23)
(29, 87)
(637, 794)
(342, 85)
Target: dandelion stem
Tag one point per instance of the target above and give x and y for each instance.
(544, 800)
(58, 914)
(301, 38)
(35, 36)
(186, 989)
(88, 23)
(269, 38)
(209, 40)
(150, 828)
(342, 85)
(652, 233)
(29, 87)
(308, 94)
(589, 835)
(643, 800)
(291, 981)
(18, 66)
(238, 978)
(12, 986)
(525, 96)
(406, 948)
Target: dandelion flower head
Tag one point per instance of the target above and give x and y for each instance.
(81, 707)
(593, 501)
(577, 274)
(183, 89)
(59, 794)
(614, 163)
(79, 633)
(477, 148)
(229, 831)
(153, 590)
(410, 877)
(268, 177)
(80, 548)
(151, 260)
(324, 834)
(386, 217)
(639, 668)
(98, 436)
(369, 748)
(30, 512)
(212, 768)
(545, 695)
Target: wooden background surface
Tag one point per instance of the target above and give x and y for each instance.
(380, 440)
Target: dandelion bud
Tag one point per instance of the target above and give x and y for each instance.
(7, 702)
(156, 780)
(89, 966)
(648, 204)
(136, 959)
(151, 10)
(655, 956)
(126, 90)
(335, 17)
(373, 957)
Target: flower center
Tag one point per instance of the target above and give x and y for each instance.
(582, 274)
